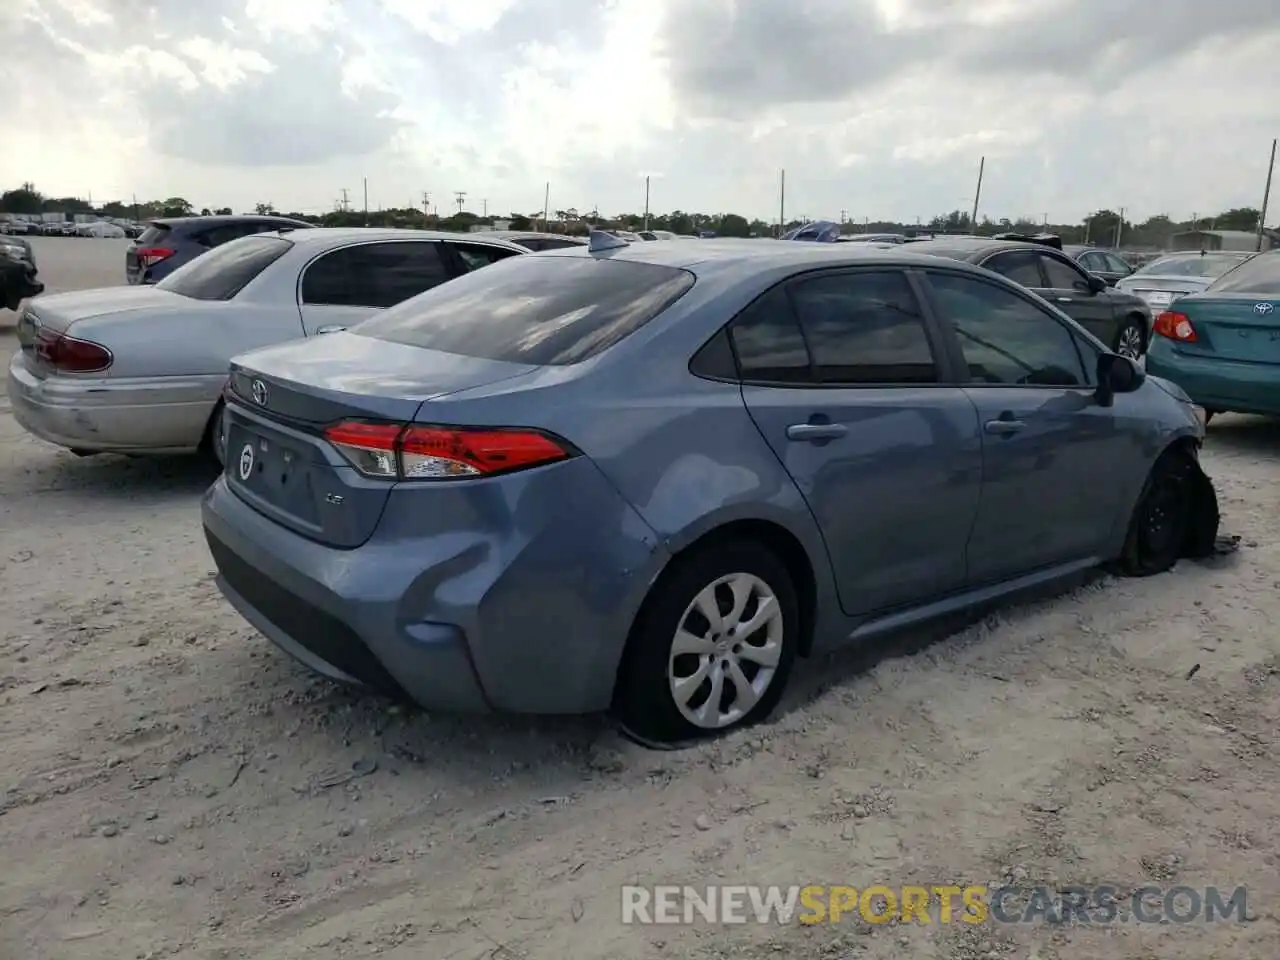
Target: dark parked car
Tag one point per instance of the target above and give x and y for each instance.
(168, 243)
(17, 272)
(1110, 266)
(651, 475)
(1120, 320)
(535, 240)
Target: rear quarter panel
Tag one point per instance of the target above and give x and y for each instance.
(194, 340)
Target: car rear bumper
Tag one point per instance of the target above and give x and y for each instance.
(160, 415)
(1224, 385)
(523, 617)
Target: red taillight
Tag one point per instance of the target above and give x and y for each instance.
(70, 355)
(1175, 326)
(441, 453)
(150, 256)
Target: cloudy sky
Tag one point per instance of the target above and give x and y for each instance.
(880, 108)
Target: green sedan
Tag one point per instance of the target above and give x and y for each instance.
(1223, 346)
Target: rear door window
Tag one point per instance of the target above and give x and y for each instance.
(864, 327)
(535, 310)
(374, 274)
(768, 341)
(1020, 266)
(223, 272)
(226, 232)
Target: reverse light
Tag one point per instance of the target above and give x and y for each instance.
(1175, 326)
(391, 452)
(69, 355)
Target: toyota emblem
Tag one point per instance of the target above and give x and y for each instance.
(259, 390)
(1263, 308)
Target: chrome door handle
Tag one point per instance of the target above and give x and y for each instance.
(1065, 300)
(329, 328)
(1004, 427)
(816, 431)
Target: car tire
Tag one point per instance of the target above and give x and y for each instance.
(215, 443)
(751, 667)
(1131, 339)
(1161, 519)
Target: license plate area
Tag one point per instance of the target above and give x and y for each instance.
(273, 471)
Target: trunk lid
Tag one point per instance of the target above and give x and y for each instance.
(60, 310)
(1159, 291)
(283, 397)
(1242, 327)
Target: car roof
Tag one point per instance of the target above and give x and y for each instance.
(731, 256)
(325, 236)
(217, 219)
(967, 248)
(527, 235)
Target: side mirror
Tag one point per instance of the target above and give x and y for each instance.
(1096, 283)
(1117, 374)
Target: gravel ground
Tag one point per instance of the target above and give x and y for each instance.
(173, 787)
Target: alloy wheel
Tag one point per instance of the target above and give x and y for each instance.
(1130, 343)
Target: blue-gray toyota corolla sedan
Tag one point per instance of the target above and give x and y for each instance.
(650, 476)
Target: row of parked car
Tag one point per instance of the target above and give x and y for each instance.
(645, 476)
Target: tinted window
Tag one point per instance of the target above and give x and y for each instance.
(864, 328)
(227, 232)
(477, 255)
(1006, 339)
(1022, 266)
(769, 343)
(555, 243)
(715, 359)
(1062, 276)
(1117, 265)
(223, 272)
(537, 310)
(1260, 275)
(374, 274)
(1093, 261)
(153, 235)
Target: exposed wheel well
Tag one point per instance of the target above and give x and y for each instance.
(788, 549)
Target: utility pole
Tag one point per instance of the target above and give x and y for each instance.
(485, 204)
(546, 204)
(366, 201)
(782, 202)
(345, 205)
(459, 196)
(1119, 229)
(844, 215)
(1266, 197)
(646, 203)
(135, 208)
(426, 205)
(977, 195)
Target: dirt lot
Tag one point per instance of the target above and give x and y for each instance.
(173, 787)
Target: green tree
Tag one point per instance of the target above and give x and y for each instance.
(176, 207)
(222, 212)
(1239, 218)
(26, 199)
(520, 222)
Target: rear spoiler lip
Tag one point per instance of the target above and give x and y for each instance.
(1040, 239)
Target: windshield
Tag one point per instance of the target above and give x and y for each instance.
(540, 310)
(1192, 265)
(226, 270)
(1260, 274)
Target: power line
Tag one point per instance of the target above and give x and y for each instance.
(460, 195)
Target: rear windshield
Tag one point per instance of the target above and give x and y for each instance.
(546, 311)
(226, 270)
(1261, 274)
(154, 233)
(1195, 265)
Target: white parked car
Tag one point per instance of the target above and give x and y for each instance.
(1178, 275)
(140, 369)
(100, 229)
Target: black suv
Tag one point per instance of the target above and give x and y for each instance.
(167, 244)
(17, 272)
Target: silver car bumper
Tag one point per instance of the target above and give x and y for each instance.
(136, 415)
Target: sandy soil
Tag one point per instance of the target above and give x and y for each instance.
(173, 787)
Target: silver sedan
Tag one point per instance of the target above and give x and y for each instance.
(140, 370)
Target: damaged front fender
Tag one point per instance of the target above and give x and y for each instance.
(1201, 539)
